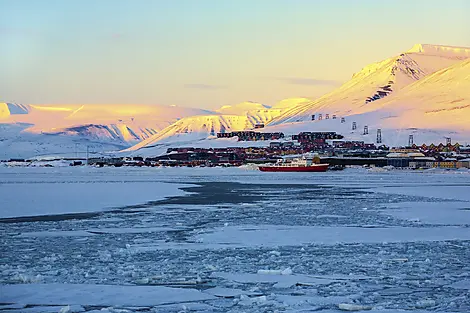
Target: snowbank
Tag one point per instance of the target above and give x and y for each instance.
(65, 197)
(98, 295)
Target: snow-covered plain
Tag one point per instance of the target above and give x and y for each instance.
(35, 198)
(233, 240)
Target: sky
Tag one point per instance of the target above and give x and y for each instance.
(206, 53)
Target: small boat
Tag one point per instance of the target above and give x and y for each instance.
(296, 165)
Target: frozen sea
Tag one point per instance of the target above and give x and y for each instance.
(78, 239)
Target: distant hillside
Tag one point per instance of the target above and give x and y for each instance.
(136, 121)
(438, 101)
(423, 91)
(377, 81)
(33, 129)
(200, 127)
(241, 108)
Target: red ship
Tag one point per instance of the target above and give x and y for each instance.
(296, 165)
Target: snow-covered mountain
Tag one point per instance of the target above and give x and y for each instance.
(193, 128)
(377, 81)
(291, 102)
(242, 108)
(30, 130)
(8, 109)
(438, 101)
(127, 123)
(17, 142)
(431, 109)
(423, 91)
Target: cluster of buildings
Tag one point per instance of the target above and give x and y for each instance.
(249, 135)
(422, 159)
(330, 145)
(326, 143)
(316, 136)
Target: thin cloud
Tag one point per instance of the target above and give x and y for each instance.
(116, 36)
(309, 81)
(204, 86)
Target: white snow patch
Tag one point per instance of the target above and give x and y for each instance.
(301, 301)
(449, 192)
(100, 295)
(275, 235)
(280, 281)
(95, 231)
(225, 292)
(436, 213)
(286, 271)
(353, 307)
(28, 198)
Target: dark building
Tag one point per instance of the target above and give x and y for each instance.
(312, 136)
(251, 135)
(399, 162)
(280, 145)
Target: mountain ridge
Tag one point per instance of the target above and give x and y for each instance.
(456, 51)
(423, 88)
(363, 98)
(376, 81)
(131, 123)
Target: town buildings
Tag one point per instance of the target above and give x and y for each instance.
(329, 145)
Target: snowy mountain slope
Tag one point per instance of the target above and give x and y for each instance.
(7, 109)
(200, 127)
(431, 109)
(113, 132)
(120, 126)
(15, 142)
(262, 116)
(128, 123)
(423, 92)
(393, 134)
(241, 116)
(440, 100)
(377, 81)
(448, 51)
(31, 130)
(159, 115)
(241, 108)
(291, 102)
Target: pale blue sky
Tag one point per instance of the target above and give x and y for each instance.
(207, 53)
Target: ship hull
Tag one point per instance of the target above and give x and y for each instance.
(311, 168)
